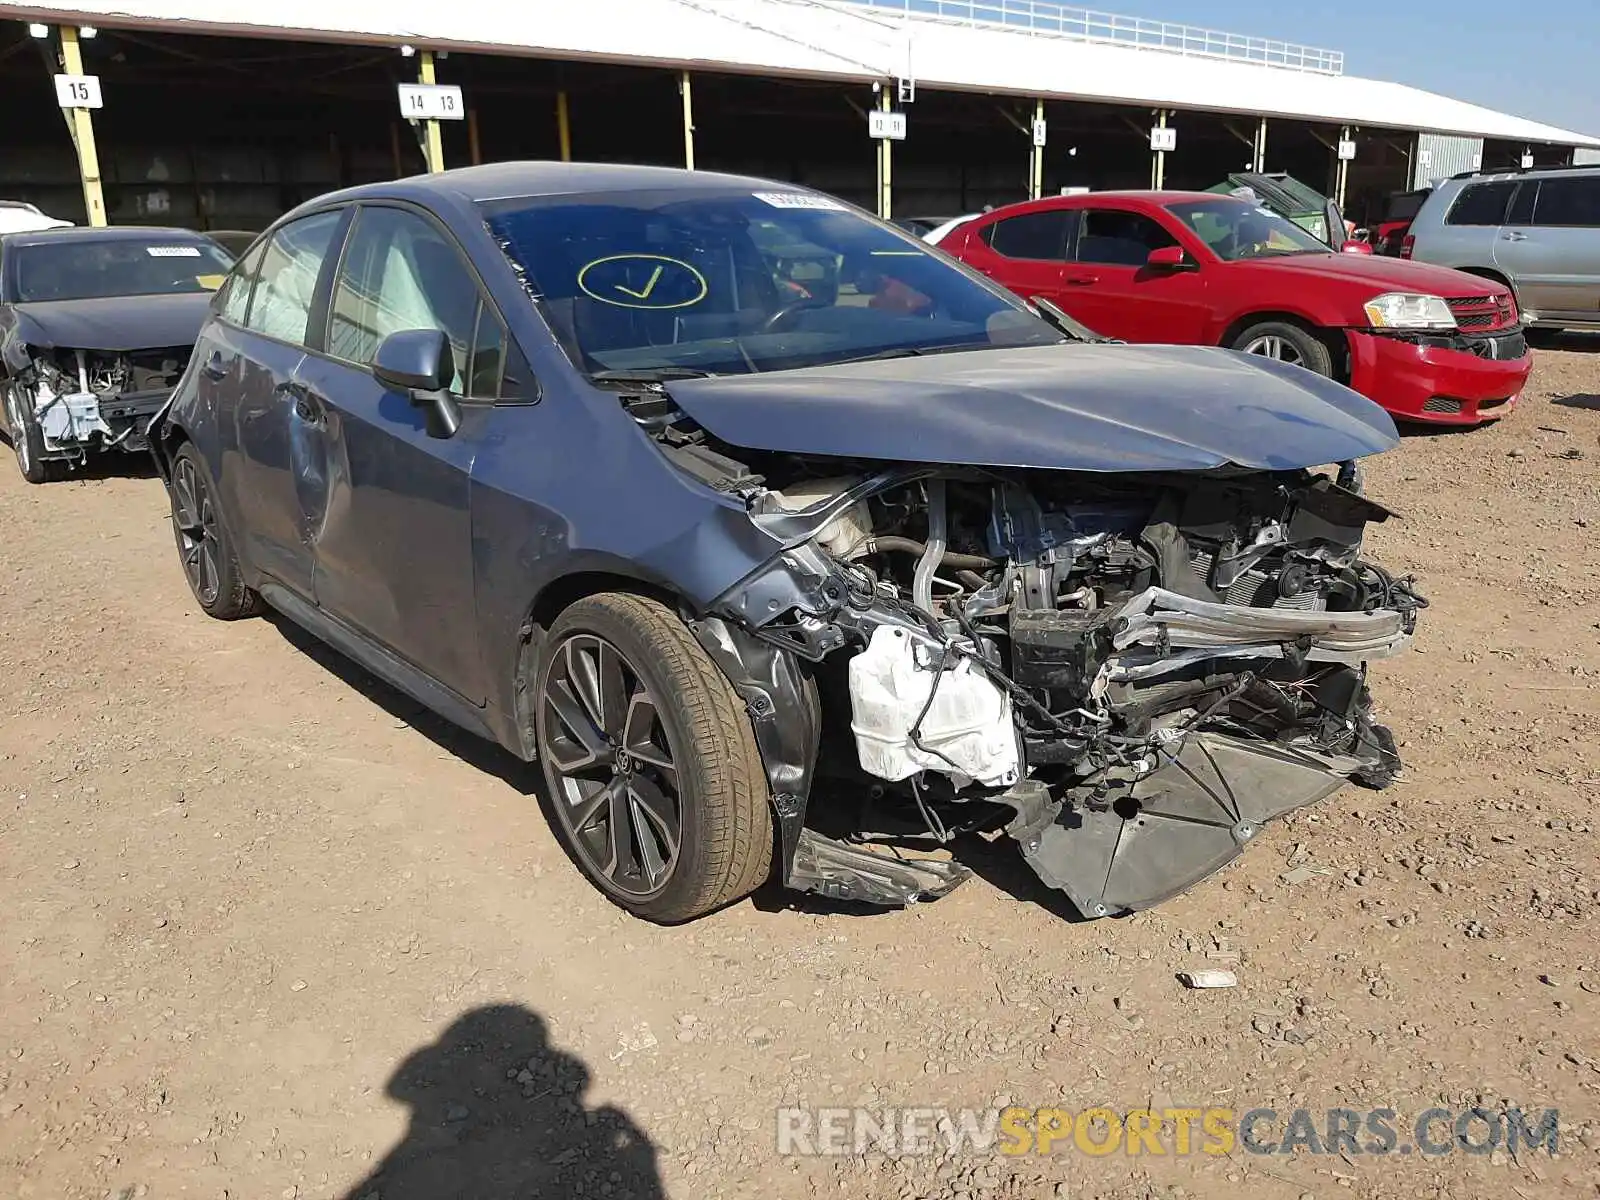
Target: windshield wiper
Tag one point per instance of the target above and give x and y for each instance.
(1054, 314)
(650, 375)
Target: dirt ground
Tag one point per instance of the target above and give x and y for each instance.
(269, 930)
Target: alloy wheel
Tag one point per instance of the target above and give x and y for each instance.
(196, 519)
(617, 776)
(19, 431)
(1271, 345)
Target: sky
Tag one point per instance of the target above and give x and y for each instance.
(1535, 58)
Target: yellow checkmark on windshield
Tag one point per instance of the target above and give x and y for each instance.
(648, 288)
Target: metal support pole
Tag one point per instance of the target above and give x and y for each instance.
(432, 139)
(564, 125)
(1261, 146)
(1344, 171)
(81, 125)
(474, 146)
(885, 161)
(684, 88)
(1158, 165)
(1036, 159)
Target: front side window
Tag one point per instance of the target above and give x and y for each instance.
(92, 268)
(1569, 202)
(1039, 235)
(401, 273)
(287, 283)
(1117, 238)
(1481, 204)
(718, 281)
(1235, 230)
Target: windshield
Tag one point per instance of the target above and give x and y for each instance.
(88, 270)
(1235, 230)
(651, 284)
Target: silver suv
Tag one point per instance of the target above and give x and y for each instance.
(1537, 230)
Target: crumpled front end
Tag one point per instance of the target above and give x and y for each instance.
(86, 401)
(1127, 674)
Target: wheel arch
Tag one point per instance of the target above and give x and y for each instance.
(551, 600)
(1330, 335)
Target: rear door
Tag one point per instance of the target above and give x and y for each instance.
(1550, 246)
(269, 435)
(1025, 253)
(393, 528)
(1111, 288)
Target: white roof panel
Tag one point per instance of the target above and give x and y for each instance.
(841, 41)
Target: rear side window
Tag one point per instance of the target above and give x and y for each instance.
(1481, 204)
(1039, 235)
(234, 302)
(287, 282)
(401, 273)
(1118, 238)
(1522, 204)
(1568, 202)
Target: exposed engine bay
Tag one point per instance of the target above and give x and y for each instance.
(1128, 673)
(93, 400)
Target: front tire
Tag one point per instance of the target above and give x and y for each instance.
(27, 439)
(204, 545)
(1287, 343)
(658, 787)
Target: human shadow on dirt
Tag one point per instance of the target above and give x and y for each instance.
(497, 1113)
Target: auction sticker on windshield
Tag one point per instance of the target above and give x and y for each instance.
(173, 251)
(800, 200)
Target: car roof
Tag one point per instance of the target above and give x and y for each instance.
(107, 233)
(509, 180)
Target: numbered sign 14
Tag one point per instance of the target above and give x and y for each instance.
(432, 102)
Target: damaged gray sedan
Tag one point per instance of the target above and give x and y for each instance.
(96, 326)
(786, 546)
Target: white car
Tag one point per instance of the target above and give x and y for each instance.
(939, 232)
(17, 216)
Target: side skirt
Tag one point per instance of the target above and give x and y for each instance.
(386, 665)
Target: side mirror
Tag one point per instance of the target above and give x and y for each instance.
(1168, 258)
(421, 363)
(415, 360)
(1355, 247)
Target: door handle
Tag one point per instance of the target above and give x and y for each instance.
(1080, 280)
(215, 368)
(1514, 237)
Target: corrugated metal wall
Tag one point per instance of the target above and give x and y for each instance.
(1439, 157)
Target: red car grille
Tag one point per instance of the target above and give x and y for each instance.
(1484, 314)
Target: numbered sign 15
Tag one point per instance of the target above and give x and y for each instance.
(78, 91)
(432, 102)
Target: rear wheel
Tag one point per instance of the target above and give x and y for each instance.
(658, 788)
(1287, 343)
(204, 544)
(27, 440)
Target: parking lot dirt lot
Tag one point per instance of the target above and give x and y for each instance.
(267, 929)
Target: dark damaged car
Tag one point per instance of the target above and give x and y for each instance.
(816, 576)
(96, 326)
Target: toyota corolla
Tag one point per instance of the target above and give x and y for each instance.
(784, 545)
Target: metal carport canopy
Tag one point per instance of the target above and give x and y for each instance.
(814, 39)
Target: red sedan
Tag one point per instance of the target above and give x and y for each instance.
(1427, 343)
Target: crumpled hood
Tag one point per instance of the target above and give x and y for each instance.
(1078, 407)
(114, 323)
